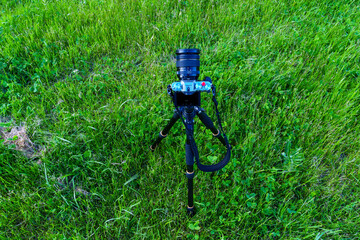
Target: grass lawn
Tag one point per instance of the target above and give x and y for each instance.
(83, 95)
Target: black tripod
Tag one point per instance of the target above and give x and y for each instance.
(187, 114)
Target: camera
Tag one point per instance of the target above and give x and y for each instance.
(187, 90)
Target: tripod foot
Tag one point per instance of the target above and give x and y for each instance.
(190, 211)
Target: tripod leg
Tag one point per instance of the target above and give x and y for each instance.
(206, 120)
(190, 176)
(164, 132)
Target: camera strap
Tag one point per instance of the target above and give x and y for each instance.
(225, 160)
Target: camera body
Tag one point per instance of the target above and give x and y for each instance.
(187, 90)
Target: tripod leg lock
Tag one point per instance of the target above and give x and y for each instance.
(190, 211)
(158, 140)
(161, 135)
(218, 134)
(190, 175)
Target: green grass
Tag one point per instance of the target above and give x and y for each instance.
(88, 78)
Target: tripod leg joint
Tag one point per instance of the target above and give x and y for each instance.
(190, 175)
(161, 135)
(190, 211)
(218, 134)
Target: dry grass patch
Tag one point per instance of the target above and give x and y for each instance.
(18, 137)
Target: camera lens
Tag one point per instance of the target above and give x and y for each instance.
(188, 63)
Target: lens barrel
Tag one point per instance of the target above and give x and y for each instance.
(188, 64)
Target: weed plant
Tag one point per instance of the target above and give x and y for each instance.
(88, 80)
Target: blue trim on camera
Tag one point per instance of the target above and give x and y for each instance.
(188, 87)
